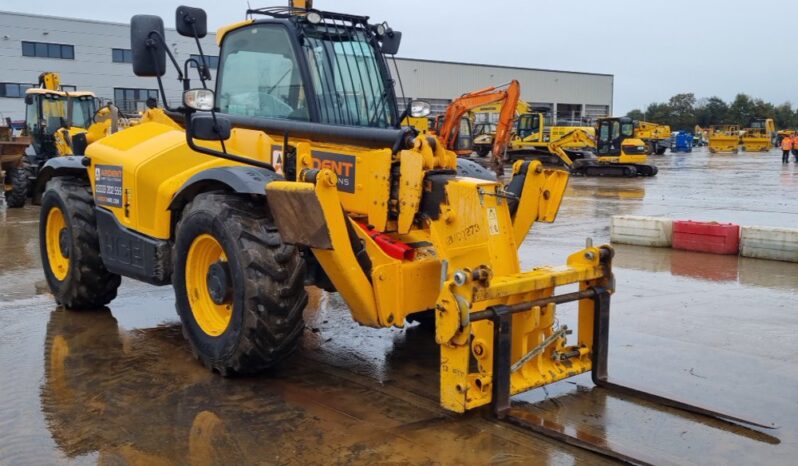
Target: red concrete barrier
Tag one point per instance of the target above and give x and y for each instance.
(711, 237)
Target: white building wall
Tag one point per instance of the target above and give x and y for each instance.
(93, 69)
(431, 79)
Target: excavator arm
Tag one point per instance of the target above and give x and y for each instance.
(577, 136)
(508, 93)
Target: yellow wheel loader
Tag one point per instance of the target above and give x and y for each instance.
(362, 206)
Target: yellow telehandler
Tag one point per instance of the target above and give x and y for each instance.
(362, 206)
(57, 123)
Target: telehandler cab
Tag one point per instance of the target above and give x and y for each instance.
(190, 197)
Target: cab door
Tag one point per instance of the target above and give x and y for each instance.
(464, 142)
(528, 125)
(609, 138)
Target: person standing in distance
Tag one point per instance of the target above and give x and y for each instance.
(786, 147)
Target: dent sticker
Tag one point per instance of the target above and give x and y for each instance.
(342, 165)
(108, 185)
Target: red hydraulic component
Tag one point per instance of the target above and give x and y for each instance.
(392, 247)
(711, 237)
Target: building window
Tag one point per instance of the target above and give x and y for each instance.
(132, 100)
(211, 60)
(122, 55)
(13, 90)
(47, 50)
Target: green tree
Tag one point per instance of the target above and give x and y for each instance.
(635, 114)
(712, 111)
(659, 113)
(742, 110)
(682, 111)
(785, 116)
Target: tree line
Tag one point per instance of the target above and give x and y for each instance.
(683, 111)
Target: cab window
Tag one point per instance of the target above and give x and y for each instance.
(259, 75)
(628, 129)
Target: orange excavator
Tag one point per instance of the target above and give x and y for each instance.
(509, 93)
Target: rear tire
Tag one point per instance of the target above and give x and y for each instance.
(17, 177)
(254, 319)
(70, 247)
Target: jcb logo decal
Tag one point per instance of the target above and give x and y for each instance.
(342, 165)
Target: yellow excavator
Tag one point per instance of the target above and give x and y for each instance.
(532, 134)
(58, 123)
(627, 162)
(361, 206)
(613, 152)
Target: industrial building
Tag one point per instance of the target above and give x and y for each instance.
(95, 55)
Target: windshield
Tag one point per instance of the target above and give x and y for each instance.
(347, 77)
(83, 109)
(53, 114)
(260, 76)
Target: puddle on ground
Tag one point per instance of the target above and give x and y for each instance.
(119, 385)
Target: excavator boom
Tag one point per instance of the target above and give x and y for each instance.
(508, 93)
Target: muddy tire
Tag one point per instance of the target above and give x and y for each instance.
(17, 179)
(239, 288)
(70, 247)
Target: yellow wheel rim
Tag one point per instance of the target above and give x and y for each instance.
(55, 235)
(212, 317)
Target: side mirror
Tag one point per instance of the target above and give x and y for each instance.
(191, 22)
(149, 55)
(390, 42)
(28, 99)
(204, 128)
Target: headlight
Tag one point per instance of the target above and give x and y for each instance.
(419, 108)
(313, 17)
(199, 99)
(382, 29)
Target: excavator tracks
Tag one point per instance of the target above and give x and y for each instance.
(614, 170)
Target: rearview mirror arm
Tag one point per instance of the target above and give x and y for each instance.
(204, 70)
(155, 38)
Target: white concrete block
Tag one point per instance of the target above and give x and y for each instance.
(641, 231)
(779, 244)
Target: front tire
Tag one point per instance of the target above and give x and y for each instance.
(239, 288)
(70, 247)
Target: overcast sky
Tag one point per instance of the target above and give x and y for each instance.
(654, 48)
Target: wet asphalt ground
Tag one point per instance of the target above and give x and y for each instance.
(119, 385)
